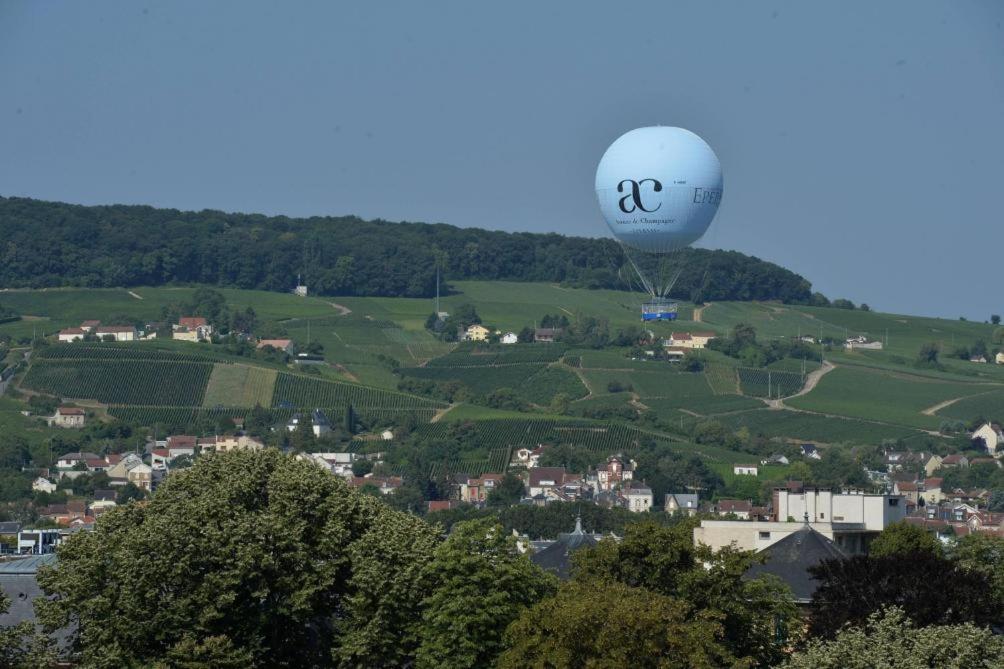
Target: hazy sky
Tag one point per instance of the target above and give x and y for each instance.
(862, 142)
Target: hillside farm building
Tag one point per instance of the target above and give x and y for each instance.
(689, 339)
(69, 417)
(192, 328)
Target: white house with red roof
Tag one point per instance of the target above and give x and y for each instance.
(118, 332)
(71, 334)
(192, 328)
(689, 339)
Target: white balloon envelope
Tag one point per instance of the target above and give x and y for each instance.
(659, 188)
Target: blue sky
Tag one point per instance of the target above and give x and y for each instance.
(862, 142)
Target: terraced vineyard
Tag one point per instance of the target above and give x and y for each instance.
(295, 391)
(769, 383)
(900, 398)
(513, 354)
(183, 416)
(813, 427)
(148, 382)
(169, 386)
(988, 406)
(240, 385)
(121, 351)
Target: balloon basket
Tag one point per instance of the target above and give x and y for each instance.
(658, 310)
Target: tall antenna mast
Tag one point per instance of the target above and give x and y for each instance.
(437, 287)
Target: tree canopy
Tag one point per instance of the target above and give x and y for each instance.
(890, 639)
(243, 559)
(904, 539)
(118, 245)
(930, 589)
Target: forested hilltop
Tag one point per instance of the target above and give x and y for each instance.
(48, 244)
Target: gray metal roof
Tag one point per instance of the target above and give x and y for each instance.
(790, 559)
(27, 565)
(10, 527)
(556, 558)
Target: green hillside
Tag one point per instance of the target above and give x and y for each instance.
(373, 344)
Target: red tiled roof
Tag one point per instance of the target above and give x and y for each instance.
(907, 486)
(538, 474)
(192, 321)
(181, 441)
(275, 343)
(111, 329)
(72, 331)
(70, 411)
(440, 504)
(734, 505)
(933, 483)
(161, 452)
(955, 458)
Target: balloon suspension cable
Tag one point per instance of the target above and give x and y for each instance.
(641, 276)
(668, 278)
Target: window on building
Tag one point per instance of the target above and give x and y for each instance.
(894, 501)
(765, 535)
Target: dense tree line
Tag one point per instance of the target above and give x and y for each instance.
(105, 246)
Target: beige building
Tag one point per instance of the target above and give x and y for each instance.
(932, 491)
(141, 476)
(71, 334)
(992, 437)
(120, 332)
(1000, 358)
(476, 333)
(875, 512)
(69, 417)
(689, 339)
(756, 535)
(192, 328)
(850, 520)
(230, 443)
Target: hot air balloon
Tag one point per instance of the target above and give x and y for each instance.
(658, 189)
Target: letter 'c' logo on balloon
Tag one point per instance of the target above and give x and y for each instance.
(635, 195)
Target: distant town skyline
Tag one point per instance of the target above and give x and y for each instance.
(861, 142)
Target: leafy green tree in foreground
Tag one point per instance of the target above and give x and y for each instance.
(757, 615)
(930, 589)
(983, 553)
(904, 539)
(509, 491)
(244, 559)
(889, 639)
(483, 583)
(614, 625)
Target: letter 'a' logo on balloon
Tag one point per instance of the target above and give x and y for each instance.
(635, 195)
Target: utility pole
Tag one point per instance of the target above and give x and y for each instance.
(437, 287)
